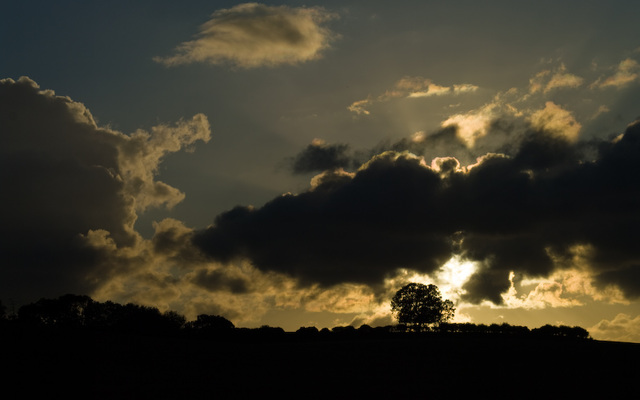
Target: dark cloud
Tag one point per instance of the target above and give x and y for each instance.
(64, 177)
(57, 176)
(218, 280)
(444, 142)
(318, 157)
(358, 230)
(519, 212)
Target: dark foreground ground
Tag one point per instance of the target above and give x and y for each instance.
(109, 366)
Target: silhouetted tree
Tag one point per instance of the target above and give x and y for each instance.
(270, 331)
(419, 306)
(133, 318)
(210, 323)
(173, 321)
(307, 331)
(343, 329)
(575, 332)
(66, 311)
(101, 316)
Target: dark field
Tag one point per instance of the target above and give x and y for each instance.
(95, 365)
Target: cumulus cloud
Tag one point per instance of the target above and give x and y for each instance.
(410, 87)
(555, 119)
(66, 180)
(168, 272)
(520, 212)
(72, 191)
(622, 328)
(141, 154)
(559, 290)
(253, 35)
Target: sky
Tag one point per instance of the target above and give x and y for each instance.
(295, 163)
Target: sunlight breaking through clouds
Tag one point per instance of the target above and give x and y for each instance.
(472, 125)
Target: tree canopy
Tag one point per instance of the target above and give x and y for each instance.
(419, 306)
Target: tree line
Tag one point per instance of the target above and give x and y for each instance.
(81, 313)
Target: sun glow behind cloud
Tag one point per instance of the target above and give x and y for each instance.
(472, 125)
(450, 278)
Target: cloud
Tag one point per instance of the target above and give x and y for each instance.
(335, 233)
(625, 73)
(72, 192)
(472, 125)
(319, 156)
(523, 212)
(254, 35)
(559, 290)
(555, 119)
(622, 328)
(65, 179)
(548, 80)
(358, 107)
(411, 87)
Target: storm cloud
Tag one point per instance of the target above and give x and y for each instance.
(67, 182)
(319, 156)
(524, 211)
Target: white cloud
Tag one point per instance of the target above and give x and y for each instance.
(253, 35)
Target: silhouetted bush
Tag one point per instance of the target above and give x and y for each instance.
(64, 312)
(3, 311)
(76, 312)
(344, 331)
(574, 332)
(365, 329)
(81, 312)
(307, 332)
(271, 331)
(210, 324)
